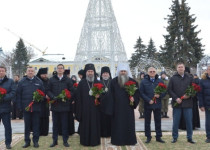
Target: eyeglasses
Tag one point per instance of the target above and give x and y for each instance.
(151, 71)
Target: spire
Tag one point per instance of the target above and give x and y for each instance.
(100, 39)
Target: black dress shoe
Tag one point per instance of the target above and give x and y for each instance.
(8, 146)
(26, 145)
(174, 141)
(36, 145)
(207, 141)
(66, 144)
(148, 140)
(191, 141)
(160, 140)
(53, 144)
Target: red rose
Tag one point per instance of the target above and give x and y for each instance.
(40, 92)
(75, 85)
(129, 83)
(98, 85)
(68, 94)
(162, 85)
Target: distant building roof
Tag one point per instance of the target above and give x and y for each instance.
(51, 58)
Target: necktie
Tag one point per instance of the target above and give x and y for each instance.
(153, 80)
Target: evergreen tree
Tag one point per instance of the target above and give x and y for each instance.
(139, 53)
(181, 42)
(151, 50)
(20, 59)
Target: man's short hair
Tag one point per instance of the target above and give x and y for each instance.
(60, 65)
(4, 68)
(151, 68)
(180, 63)
(17, 75)
(30, 67)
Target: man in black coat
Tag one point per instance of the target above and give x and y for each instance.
(88, 113)
(176, 88)
(147, 87)
(26, 87)
(59, 109)
(5, 104)
(44, 116)
(105, 119)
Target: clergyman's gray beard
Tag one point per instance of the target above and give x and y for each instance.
(122, 79)
(90, 79)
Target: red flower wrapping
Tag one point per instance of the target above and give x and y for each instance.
(97, 89)
(38, 95)
(130, 88)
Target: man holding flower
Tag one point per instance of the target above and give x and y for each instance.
(88, 107)
(181, 102)
(124, 99)
(60, 90)
(152, 91)
(26, 87)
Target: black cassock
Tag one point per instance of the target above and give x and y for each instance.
(123, 119)
(105, 120)
(88, 114)
(44, 115)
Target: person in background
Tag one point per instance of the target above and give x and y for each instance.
(81, 74)
(164, 109)
(141, 102)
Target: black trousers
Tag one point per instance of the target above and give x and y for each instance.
(63, 117)
(5, 117)
(157, 118)
(31, 118)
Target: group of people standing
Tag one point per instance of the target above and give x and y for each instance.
(109, 114)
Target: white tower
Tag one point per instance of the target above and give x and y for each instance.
(100, 41)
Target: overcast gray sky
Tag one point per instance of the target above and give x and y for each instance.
(57, 24)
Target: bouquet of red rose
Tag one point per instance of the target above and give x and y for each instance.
(38, 95)
(3, 92)
(64, 95)
(75, 85)
(130, 88)
(190, 91)
(97, 89)
(159, 89)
